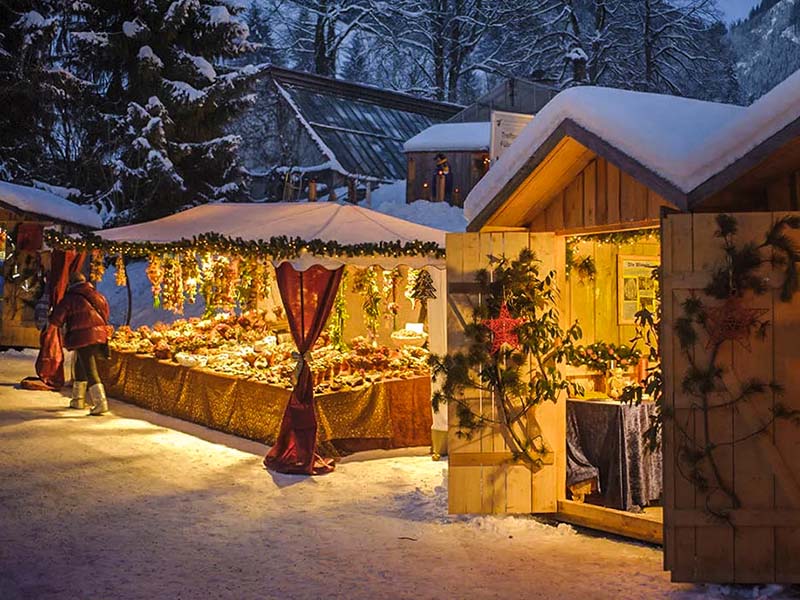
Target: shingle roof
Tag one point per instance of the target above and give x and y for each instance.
(361, 128)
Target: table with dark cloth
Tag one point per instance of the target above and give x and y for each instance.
(394, 413)
(608, 437)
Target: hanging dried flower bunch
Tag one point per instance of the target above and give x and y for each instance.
(254, 281)
(98, 266)
(411, 280)
(172, 292)
(191, 276)
(365, 282)
(121, 276)
(155, 273)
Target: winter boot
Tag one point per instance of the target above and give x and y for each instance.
(97, 398)
(78, 394)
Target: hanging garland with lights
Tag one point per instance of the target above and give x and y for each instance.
(276, 248)
(585, 265)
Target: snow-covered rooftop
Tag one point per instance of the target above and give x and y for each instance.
(46, 204)
(685, 141)
(667, 134)
(451, 136)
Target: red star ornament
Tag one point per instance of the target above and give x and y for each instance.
(732, 321)
(503, 330)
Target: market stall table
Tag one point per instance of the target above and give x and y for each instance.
(393, 413)
(609, 435)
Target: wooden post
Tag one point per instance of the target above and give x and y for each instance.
(312, 190)
(369, 195)
(352, 191)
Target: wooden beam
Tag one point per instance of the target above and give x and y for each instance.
(635, 526)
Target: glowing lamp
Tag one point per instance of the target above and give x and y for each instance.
(416, 327)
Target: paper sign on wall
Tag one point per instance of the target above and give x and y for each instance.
(638, 288)
(506, 126)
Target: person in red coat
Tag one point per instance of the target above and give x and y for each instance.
(83, 312)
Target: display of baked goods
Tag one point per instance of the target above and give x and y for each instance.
(409, 337)
(247, 346)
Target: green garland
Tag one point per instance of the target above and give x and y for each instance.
(585, 265)
(276, 248)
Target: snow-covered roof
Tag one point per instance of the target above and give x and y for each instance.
(451, 136)
(663, 133)
(683, 141)
(359, 129)
(327, 221)
(46, 204)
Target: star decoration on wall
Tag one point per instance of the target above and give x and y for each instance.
(732, 321)
(503, 330)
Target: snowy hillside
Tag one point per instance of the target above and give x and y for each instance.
(767, 47)
(390, 199)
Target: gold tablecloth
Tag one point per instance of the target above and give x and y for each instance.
(395, 413)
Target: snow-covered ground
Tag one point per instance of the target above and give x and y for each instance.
(137, 505)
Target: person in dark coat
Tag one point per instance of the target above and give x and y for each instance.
(84, 313)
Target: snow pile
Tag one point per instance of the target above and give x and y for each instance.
(184, 92)
(63, 192)
(146, 54)
(47, 204)
(202, 66)
(390, 199)
(665, 133)
(132, 28)
(218, 15)
(451, 136)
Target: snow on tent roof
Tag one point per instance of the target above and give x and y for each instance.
(326, 221)
(666, 134)
(451, 136)
(46, 204)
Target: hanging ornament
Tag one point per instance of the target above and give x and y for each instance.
(732, 321)
(97, 267)
(423, 290)
(120, 276)
(155, 273)
(503, 330)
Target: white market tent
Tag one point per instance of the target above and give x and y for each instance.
(326, 221)
(46, 204)
(451, 136)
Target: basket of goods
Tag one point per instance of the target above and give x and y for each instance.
(409, 337)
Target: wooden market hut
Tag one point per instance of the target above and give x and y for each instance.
(298, 238)
(25, 212)
(466, 147)
(595, 164)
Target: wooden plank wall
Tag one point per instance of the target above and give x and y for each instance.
(593, 302)
(482, 476)
(599, 195)
(466, 168)
(761, 543)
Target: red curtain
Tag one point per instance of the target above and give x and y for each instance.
(308, 298)
(50, 362)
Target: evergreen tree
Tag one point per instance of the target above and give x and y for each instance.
(258, 22)
(32, 89)
(163, 97)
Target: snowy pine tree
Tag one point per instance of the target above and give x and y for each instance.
(164, 96)
(259, 25)
(27, 81)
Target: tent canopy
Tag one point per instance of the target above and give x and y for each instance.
(344, 224)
